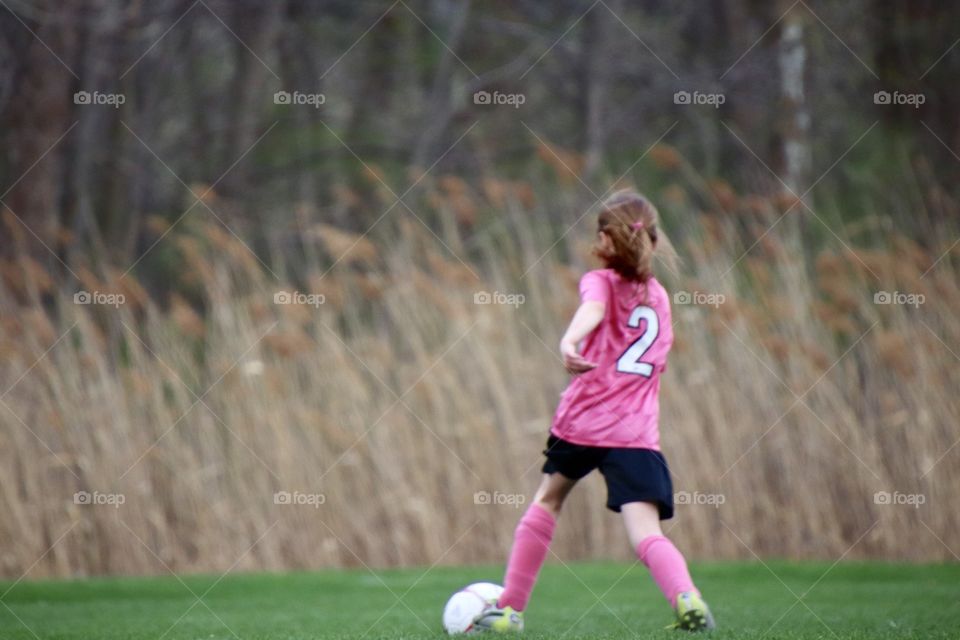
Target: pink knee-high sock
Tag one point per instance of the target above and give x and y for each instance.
(530, 544)
(667, 566)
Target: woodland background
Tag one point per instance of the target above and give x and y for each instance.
(158, 393)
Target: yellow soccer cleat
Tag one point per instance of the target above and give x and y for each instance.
(498, 620)
(693, 614)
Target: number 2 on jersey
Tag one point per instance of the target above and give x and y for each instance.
(630, 362)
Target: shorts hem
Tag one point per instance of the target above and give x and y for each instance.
(664, 510)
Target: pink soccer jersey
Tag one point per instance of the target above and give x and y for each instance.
(616, 404)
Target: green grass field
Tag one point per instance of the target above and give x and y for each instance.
(850, 601)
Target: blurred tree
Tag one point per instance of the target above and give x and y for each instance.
(598, 80)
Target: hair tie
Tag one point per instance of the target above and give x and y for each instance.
(637, 226)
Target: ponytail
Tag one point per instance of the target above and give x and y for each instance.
(630, 221)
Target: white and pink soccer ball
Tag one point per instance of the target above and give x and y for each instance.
(467, 606)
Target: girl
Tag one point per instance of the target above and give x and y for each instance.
(607, 418)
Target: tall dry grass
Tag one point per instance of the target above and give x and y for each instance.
(398, 398)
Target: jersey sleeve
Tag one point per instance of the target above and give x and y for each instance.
(594, 288)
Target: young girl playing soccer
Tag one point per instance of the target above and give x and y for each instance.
(616, 347)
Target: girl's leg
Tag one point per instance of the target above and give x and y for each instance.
(655, 550)
(532, 540)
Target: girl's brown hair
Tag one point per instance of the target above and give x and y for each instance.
(632, 223)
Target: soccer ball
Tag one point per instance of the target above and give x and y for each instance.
(468, 605)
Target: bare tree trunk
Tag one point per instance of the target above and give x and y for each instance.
(795, 128)
(38, 117)
(92, 194)
(257, 31)
(599, 34)
(373, 62)
(440, 105)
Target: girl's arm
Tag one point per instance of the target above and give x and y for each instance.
(585, 320)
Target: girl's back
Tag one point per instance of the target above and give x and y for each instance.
(616, 404)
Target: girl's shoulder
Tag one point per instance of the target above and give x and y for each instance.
(614, 277)
(599, 278)
(622, 288)
(655, 287)
(657, 295)
(606, 274)
(625, 291)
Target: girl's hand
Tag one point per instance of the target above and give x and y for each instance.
(573, 361)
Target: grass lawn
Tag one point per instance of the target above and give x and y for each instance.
(850, 601)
